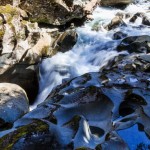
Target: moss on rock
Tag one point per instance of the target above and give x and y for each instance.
(8, 9)
(7, 142)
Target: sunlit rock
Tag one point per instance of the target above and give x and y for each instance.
(24, 44)
(57, 12)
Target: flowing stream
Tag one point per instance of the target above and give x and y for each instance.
(93, 48)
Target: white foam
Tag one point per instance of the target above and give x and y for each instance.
(92, 51)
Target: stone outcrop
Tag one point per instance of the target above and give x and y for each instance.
(115, 22)
(57, 12)
(89, 111)
(5, 2)
(13, 104)
(23, 45)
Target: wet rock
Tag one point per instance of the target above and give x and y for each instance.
(66, 41)
(115, 22)
(13, 104)
(146, 21)
(33, 131)
(119, 35)
(145, 57)
(96, 26)
(135, 16)
(127, 15)
(132, 63)
(115, 2)
(137, 44)
(113, 142)
(37, 134)
(86, 112)
(92, 110)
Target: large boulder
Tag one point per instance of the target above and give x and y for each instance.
(26, 76)
(56, 12)
(13, 104)
(115, 22)
(115, 2)
(65, 41)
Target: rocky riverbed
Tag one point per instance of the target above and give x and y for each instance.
(75, 74)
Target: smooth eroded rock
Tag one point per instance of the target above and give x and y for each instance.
(137, 44)
(13, 103)
(91, 110)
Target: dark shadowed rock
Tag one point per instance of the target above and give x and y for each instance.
(146, 21)
(115, 2)
(135, 16)
(57, 12)
(119, 35)
(25, 76)
(66, 41)
(137, 44)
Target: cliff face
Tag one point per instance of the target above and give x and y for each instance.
(55, 12)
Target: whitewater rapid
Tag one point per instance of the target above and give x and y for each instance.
(93, 49)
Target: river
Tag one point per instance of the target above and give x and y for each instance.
(93, 48)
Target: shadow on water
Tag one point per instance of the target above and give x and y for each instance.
(136, 139)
